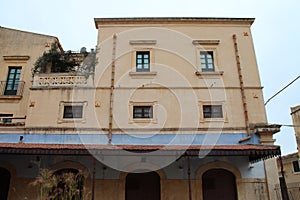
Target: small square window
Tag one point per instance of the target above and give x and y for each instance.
(143, 61)
(141, 112)
(71, 112)
(296, 166)
(212, 111)
(207, 61)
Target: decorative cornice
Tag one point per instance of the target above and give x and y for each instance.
(16, 58)
(142, 42)
(173, 20)
(206, 42)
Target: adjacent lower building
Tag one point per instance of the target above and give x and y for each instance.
(172, 108)
(295, 113)
(291, 172)
(289, 166)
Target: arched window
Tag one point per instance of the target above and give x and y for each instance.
(69, 185)
(145, 186)
(219, 184)
(4, 183)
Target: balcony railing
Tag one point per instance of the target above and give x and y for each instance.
(12, 121)
(12, 89)
(61, 79)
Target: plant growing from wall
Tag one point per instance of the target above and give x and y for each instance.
(62, 185)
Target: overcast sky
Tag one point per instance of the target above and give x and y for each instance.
(276, 32)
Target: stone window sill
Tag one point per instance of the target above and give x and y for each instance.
(12, 97)
(142, 74)
(220, 73)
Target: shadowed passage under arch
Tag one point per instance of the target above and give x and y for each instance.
(144, 186)
(219, 184)
(4, 183)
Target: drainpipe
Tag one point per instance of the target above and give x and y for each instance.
(189, 176)
(244, 101)
(94, 176)
(112, 86)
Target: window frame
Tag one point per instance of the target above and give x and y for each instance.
(207, 48)
(143, 113)
(204, 119)
(152, 104)
(73, 115)
(142, 74)
(143, 53)
(206, 63)
(63, 104)
(212, 111)
(15, 80)
(296, 166)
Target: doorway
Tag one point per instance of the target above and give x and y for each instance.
(145, 186)
(219, 184)
(4, 183)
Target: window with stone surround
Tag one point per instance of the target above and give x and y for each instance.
(207, 61)
(72, 111)
(296, 166)
(212, 111)
(143, 112)
(143, 61)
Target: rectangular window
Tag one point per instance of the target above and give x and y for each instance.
(72, 112)
(207, 61)
(212, 111)
(296, 166)
(12, 82)
(143, 61)
(6, 118)
(142, 112)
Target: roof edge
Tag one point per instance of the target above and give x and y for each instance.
(33, 33)
(176, 20)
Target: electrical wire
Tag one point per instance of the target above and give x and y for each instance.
(282, 89)
(289, 125)
(286, 125)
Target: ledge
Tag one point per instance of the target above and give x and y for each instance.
(141, 42)
(10, 97)
(145, 120)
(218, 73)
(8, 58)
(206, 42)
(142, 74)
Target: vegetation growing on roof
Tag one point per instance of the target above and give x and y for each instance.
(57, 61)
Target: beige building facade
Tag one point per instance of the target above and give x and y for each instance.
(172, 110)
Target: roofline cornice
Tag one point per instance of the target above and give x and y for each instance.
(173, 20)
